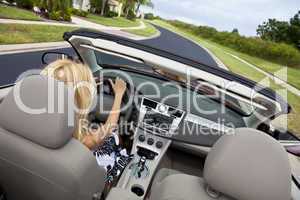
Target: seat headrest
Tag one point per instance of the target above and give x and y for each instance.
(50, 125)
(249, 165)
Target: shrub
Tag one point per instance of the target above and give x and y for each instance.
(66, 18)
(54, 15)
(96, 6)
(66, 15)
(77, 12)
(158, 17)
(83, 13)
(10, 1)
(149, 16)
(57, 9)
(276, 52)
(27, 4)
(131, 15)
(111, 14)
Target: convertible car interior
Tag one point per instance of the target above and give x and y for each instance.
(178, 150)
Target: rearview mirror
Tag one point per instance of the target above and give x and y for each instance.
(49, 57)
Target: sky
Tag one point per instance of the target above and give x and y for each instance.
(225, 15)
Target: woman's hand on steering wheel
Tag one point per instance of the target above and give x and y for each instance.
(119, 86)
(110, 89)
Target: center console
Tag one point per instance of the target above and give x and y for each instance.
(156, 124)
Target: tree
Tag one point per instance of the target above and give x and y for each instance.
(235, 31)
(281, 31)
(273, 30)
(295, 20)
(144, 3)
(57, 9)
(294, 32)
(104, 5)
(47, 4)
(28, 4)
(96, 6)
(129, 6)
(55, 5)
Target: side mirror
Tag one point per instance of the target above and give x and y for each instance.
(293, 149)
(49, 57)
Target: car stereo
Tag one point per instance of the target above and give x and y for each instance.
(159, 118)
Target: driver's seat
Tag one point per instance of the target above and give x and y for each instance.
(39, 159)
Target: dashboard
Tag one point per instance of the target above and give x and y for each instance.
(166, 121)
(159, 118)
(178, 118)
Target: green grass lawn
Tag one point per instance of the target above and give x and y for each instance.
(17, 13)
(149, 31)
(241, 68)
(114, 22)
(271, 67)
(19, 33)
(267, 66)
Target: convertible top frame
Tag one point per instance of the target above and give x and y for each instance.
(267, 92)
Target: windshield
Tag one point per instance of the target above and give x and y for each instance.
(107, 60)
(179, 97)
(114, 60)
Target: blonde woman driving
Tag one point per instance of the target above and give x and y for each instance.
(104, 142)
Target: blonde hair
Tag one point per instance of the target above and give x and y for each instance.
(73, 73)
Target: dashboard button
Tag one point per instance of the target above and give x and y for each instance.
(159, 144)
(142, 138)
(162, 108)
(150, 141)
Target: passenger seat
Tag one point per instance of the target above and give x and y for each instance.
(248, 165)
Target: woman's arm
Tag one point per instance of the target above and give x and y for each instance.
(113, 118)
(96, 139)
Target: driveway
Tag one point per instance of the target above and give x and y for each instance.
(12, 65)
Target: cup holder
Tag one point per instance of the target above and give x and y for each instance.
(138, 190)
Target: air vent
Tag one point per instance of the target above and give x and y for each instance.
(149, 103)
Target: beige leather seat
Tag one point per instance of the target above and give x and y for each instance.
(39, 159)
(249, 165)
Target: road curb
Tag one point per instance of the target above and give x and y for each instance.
(273, 77)
(30, 22)
(31, 47)
(216, 59)
(156, 35)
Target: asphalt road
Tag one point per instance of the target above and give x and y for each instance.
(12, 65)
(179, 45)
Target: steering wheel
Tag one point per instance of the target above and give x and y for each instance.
(105, 99)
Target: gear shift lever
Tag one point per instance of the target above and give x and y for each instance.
(141, 165)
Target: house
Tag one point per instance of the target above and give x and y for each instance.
(85, 5)
(115, 6)
(82, 4)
